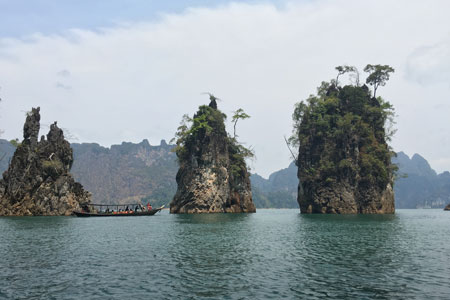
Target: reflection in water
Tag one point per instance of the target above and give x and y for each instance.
(359, 253)
(210, 218)
(212, 253)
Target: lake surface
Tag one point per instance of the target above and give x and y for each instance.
(272, 254)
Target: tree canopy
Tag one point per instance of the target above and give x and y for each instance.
(347, 69)
(238, 115)
(378, 75)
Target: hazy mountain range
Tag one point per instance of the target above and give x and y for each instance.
(131, 172)
(418, 185)
(126, 173)
(279, 190)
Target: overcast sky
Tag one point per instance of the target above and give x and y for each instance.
(113, 71)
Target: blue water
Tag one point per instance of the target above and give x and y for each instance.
(273, 254)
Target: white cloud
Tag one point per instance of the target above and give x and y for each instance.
(430, 64)
(135, 81)
(63, 73)
(61, 85)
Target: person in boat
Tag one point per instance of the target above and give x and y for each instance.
(136, 208)
(127, 209)
(85, 208)
(149, 207)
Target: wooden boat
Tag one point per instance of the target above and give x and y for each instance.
(118, 213)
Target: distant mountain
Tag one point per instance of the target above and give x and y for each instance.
(418, 185)
(126, 173)
(279, 191)
(131, 172)
(6, 153)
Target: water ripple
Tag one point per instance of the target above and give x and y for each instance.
(273, 254)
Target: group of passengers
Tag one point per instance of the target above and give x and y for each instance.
(128, 209)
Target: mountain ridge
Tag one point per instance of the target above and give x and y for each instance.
(126, 173)
(109, 173)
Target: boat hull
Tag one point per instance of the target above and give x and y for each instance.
(133, 214)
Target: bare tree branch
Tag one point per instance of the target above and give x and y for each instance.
(290, 150)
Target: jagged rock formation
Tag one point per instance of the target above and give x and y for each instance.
(213, 176)
(141, 172)
(38, 181)
(344, 160)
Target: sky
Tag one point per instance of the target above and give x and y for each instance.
(113, 71)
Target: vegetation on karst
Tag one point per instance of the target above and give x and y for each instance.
(208, 124)
(342, 131)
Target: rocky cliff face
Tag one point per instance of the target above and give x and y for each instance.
(126, 173)
(213, 176)
(38, 181)
(344, 160)
(131, 172)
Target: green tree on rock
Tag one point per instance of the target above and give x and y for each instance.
(238, 115)
(347, 69)
(378, 75)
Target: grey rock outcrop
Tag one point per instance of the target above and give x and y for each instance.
(213, 176)
(38, 181)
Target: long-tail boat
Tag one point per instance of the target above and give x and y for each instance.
(103, 210)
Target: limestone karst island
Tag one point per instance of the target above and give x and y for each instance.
(213, 176)
(344, 161)
(38, 181)
(225, 150)
(339, 145)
